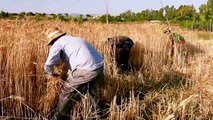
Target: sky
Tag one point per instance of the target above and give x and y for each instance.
(115, 7)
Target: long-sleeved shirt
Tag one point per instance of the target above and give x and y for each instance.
(75, 52)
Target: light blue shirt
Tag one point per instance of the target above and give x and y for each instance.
(75, 52)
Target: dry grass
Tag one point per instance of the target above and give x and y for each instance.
(48, 102)
(154, 90)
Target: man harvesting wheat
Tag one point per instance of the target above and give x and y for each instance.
(120, 50)
(176, 44)
(85, 66)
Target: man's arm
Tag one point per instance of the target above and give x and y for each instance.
(53, 58)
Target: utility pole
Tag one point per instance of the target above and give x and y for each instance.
(164, 14)
(107, 12)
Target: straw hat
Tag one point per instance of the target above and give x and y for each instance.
(53, 33)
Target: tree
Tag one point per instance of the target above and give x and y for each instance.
(103, 18)
(210, 6)
(203, 9)
(170, 12)
(30, 14)
(185, 12)
(209, 10)
(88, 15)
(4, 14)
(66, 14)
(128, 16)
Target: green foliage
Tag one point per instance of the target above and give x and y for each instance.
(30, 14)
(102, 19)
(80, 19)
(185, 12)
(185, 15)
(210, 7)
(127, 16)
(88, 15)
(4, 14)
(21, 15)
(170, 12)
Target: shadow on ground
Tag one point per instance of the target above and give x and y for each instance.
(193, 49)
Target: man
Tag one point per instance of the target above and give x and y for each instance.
(176, 43)
(120, 50)
(85, 68)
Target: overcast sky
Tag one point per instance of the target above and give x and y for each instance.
(90, 6)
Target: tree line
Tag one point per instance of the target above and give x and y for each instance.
(185, 15)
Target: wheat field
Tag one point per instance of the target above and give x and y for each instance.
(153, 90)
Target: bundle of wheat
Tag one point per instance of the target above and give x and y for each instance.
(48, 102)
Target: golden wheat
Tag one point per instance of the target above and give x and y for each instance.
(154, 90)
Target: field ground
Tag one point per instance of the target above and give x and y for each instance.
(154, 89)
